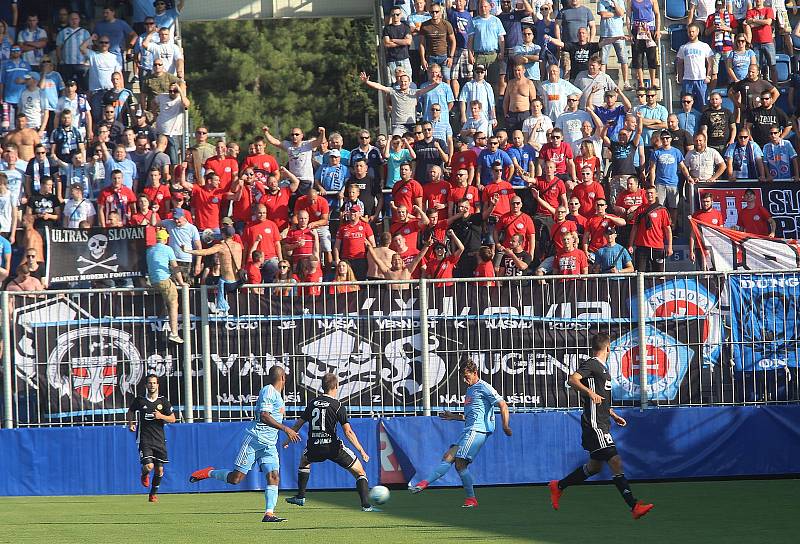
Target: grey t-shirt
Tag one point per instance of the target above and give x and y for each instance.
(572, 19)
(404, 107)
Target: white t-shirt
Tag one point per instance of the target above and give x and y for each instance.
(570, 123)
(542, 123)
(75, 212)
(694, 57)
(169, 53)
(170, 115)
(7, 207)
(300, 159)
(31, 105)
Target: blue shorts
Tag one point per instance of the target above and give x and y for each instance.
(470, 443)
(252, 451)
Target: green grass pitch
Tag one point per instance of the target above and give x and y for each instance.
(748, 511)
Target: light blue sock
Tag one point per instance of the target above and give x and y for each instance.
(221, 475)
(467, 482)
(440, 471)
(271, 497)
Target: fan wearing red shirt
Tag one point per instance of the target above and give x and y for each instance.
(755, 219)
(350, 238)
(497, 193)
(573, 205)
(406, 191)
(253, 269)
(435, 225)
(562, 225)
(485, 266)
(225, 167)
(263, 235)
(309, 271)
(588, 191)
(441, 265)
(651, 235)
(437, 191)
(261, 160)
(516, 222)
(408, 254)
(157, 193)
(760, 19)
(319, 213)
(206, 201)
(463, 158)
(407, 225)
(550, 190)
(117, 197)
(630, 199)
(462, 189)
(707, 214)
(276, 198)
(146, 214)
(246, 190)
(594, 237)
(570, 261)
(301, 240)
(560, 153)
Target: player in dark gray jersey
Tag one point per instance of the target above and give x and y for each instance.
(323, 413)
(593, 382)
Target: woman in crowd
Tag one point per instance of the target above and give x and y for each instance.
(343, 273)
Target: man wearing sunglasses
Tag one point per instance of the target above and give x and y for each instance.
(761, 120)
(102, 64)
(780, 158)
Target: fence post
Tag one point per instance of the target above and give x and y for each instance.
(640, 302)
(188, 398)
(205, 350)
(424, 347)
(8, 372)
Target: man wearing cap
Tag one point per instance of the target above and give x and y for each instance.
(32, 104)
(183, 233)
(71, 61)
(161, 268)
(440, 265)
(350, 242)
(77, 209)
(79, 105)
(665, 164)
(330, 180)
(612, 258)
(12, 81)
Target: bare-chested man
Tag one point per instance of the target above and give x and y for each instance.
(382, 253)
(395, 268)
(229, 252)
(30, 238)
(520, 92)
(25, 138)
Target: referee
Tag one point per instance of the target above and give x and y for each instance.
(146, 417)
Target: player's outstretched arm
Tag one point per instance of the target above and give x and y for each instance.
(618, 419)
(268, 420)
(296, 427)
(451, 416)
(504, 416)
(351, 436)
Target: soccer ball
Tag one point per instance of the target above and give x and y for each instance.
(379, 494)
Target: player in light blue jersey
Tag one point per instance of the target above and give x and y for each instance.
(259, 443)
(479, 403)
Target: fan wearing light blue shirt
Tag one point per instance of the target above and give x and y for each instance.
(780, 158)
(480, 400)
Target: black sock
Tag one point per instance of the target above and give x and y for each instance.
(362, 485)
(155, 483)
(624, 489)
(303, 474)
(577, 476)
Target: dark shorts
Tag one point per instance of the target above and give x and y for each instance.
(338, 453)
(156, 454)
(604, 454)
(640, 52)
(594, 440)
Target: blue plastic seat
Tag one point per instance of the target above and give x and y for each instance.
(676, 9)
(783, 67)
(677, 36)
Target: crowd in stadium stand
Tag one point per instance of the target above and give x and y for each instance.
(512, 150)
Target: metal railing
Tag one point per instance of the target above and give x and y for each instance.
(79, 357)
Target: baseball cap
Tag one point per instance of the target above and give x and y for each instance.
(665, 132)
(177, 213)
(611, 229)
(610, 93)
(177, 195)
(480, 68)
(71, 82)
(463, 139)
(334, 153)
(162, 235)
(227, 221)
(719, 4)
(497, 163)
(355, 208)
(27, 76)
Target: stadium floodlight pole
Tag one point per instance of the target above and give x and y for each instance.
(205, 350)
(5, 320)
(188, 400)
(424, 348)
(642, 311)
